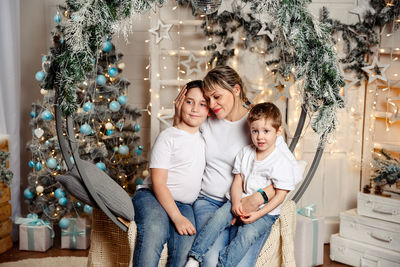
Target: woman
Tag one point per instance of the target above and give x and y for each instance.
(225, 133)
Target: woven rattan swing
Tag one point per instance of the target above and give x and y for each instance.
(111, 245)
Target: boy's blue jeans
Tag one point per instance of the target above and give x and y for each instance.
(155, 229)
(246, 236)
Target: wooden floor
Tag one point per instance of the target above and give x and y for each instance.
(14, 254)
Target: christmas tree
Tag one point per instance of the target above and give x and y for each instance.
(105, 127)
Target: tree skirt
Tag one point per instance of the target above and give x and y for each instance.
(49, 262)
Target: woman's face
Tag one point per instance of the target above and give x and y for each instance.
(194, 108)
(221, 102)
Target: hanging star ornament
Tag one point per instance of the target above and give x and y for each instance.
(190, 62)
(373, 72)
(280, 88)
(227, 5)
(395, 114)
(350, 83)
(361, 9)
(161, 31)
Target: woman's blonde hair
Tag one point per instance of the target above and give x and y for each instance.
(226, 78)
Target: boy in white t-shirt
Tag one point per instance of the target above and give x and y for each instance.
(256, 166)
(163, 203)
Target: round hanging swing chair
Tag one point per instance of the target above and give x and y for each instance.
(113, 213)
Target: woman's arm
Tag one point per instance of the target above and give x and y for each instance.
(251, 203)
(272, 204)
(163, 195)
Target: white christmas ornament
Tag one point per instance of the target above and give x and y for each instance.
(121, 65)
(43, 91)
(145, 173)
(39, 189)
(280, 88)
(206, 6)
(38, 132)
(109, 126)
(189, 64)
(371, 73)
(161, 31)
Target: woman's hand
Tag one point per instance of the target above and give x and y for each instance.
(178, 105)
(251, 203)
(251, 217)
(184, 226)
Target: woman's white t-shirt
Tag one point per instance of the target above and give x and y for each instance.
(182, 154)
(224, 139)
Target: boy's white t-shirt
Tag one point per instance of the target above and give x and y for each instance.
(224, 139)
(183, 155)
(279, 168)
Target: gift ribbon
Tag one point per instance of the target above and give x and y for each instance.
(308, 211)
(32, 219)
(73, 241)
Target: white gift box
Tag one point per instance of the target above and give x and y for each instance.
(369, 230)
(356, 253)
(35, 237)
(379, 207)
(309, 241)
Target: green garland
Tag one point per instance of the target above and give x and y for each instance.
(303, 44)
(6, 175)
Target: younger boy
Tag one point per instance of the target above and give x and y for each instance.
(163, 204)
(256, 166)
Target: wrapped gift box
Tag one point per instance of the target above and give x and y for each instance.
(379, 207)
(309, 241)
(77, 235)
(356, 253)
(35, 237)
(369, 230)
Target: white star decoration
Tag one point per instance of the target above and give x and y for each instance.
(219, 47)
(362, 7)
(350, 82)
(161, 31)
(372, 75)
(189, 63)
(280, 88)
(395, 114)
(227, 5)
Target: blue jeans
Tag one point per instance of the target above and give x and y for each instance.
(155, 229)
(245, 241)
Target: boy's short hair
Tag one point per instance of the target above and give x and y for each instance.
(194, 84)
(267, 111)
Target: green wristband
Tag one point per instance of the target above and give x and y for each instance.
(265, 197)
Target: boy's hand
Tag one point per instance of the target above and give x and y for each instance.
(184, 226)
(178, 105)
(237, 212)
(250, 217)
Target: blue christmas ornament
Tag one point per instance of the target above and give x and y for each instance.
(31, 163)
(140, 147)
(101, 165)
(51, 163)
(109, 132)
(72, 159)
(87, 209)
(47, 115)
(101, 79)
(63, 201)
(78, 204)
(85, 129)
(115, 106)
(59, 193)
(138, 152)
(28, 194)
(39, 76)
(44, 58)
(63, 223)
(58, 168)
(57, 18)
(136, 127)
(112, 72)
(123, 150)
(38, 166)
(61, 41)
(75, 17)
(139, 181)
(33, 114)
(107, 46)
(88, 106)
(122, 99)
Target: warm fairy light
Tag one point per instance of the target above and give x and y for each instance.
(382, 50)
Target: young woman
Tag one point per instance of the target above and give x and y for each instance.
(225, 134)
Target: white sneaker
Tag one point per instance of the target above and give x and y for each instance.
(192, 262)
